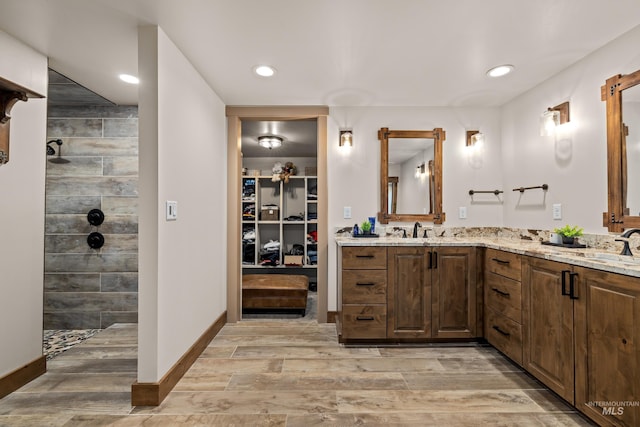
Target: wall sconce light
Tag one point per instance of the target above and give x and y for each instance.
(474, 137)
(554, 117)
(420, 170)
(346, 138)
(269, 141)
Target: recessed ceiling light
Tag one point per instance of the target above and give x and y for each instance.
(264, 70)
(128, 78)
(500, 70)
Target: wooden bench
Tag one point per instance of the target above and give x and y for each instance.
(275, 291)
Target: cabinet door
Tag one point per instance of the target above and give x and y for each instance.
(409, 293)
(608, 347)
(453, 292)
(548, 326)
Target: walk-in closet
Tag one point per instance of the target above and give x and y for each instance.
(279, 219)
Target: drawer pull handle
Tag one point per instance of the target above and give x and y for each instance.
(500, 261)
(364, 317)
(364, 284)
(364, 256)
(497, 328)
(498, 291)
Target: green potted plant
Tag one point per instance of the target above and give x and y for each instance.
(365, 227)
(569, 233)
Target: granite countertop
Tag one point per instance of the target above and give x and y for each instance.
(588, 257)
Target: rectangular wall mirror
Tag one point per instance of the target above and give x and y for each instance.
(411, 175)
(622, 95)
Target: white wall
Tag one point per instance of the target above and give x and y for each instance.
(182, 158)
(576, 172)
(22, 211)
(354, 175)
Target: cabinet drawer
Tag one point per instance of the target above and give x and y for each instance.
(504, 334)
(364, 321)
(364, 257)
(504, 296)
(364, 287)
(505, 264)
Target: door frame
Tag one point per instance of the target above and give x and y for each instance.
(235, 116)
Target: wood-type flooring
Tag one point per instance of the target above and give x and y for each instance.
(289, 373)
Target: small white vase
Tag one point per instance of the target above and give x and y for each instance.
(555, 238)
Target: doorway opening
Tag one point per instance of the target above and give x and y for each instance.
(277, 213)
(279, 219)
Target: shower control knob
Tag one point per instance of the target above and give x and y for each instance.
(95, 240)
(95, 217)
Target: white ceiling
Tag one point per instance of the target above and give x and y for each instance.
(327, 52)
(299, 138)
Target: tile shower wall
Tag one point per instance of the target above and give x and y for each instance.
(87, 288)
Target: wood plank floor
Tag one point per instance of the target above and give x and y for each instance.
(288, 373)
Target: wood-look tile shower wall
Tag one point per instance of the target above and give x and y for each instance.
(87, 288)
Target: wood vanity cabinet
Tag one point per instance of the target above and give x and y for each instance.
(549, 324)
(409, 292)
(607, 346)
(503, 302)
(362, 300)
(454, 289)
(431, 292)
(582, 337)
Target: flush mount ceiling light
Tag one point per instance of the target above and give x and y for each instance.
(500, 70)
(270, 142)
(128, 78)
(264, 70)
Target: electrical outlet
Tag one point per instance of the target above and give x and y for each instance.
(172, 210)
(347, 212)
(462, 212)
(557, 211)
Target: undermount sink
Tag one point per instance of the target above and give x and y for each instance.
(614, 258)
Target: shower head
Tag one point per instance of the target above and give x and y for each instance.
(50, 150)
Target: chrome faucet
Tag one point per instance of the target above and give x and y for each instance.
(415, 229)
(624, 239)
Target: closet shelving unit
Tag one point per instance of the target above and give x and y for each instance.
(292, 199)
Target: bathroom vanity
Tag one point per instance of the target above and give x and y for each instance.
(408, 293)
(570, 317)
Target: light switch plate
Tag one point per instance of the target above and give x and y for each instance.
(172, 210)
(347, 212)
(557, 211)
(462, 212)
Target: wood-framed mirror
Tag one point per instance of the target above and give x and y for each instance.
(622, 95)
(411, 175)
